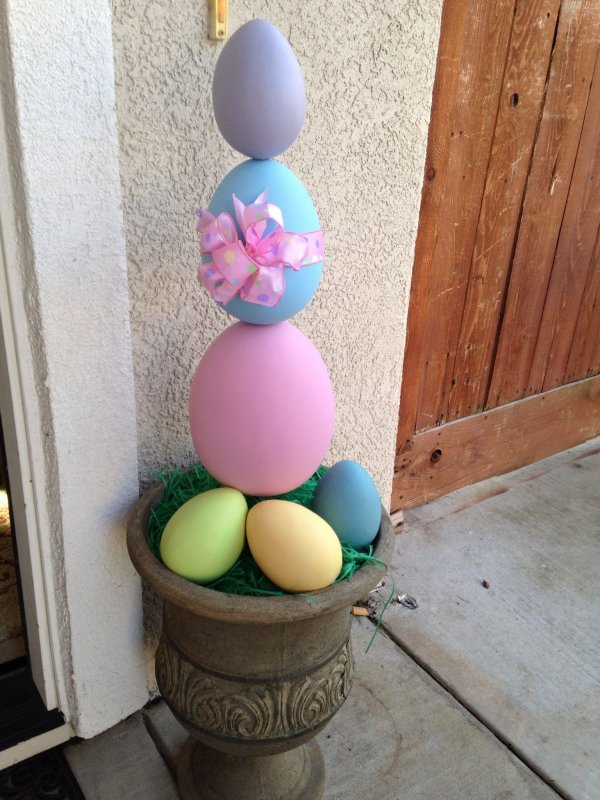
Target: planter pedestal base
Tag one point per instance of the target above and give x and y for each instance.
(207, 774)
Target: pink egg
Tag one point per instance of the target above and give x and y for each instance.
(262, 410)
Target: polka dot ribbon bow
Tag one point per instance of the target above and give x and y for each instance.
(254, 266)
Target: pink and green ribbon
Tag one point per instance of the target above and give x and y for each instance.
(252, 266)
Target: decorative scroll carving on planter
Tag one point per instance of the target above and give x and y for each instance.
(251, 711)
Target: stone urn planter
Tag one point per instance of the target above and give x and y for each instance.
(252, 679)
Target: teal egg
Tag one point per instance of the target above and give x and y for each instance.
(286, 191)
(348, 500)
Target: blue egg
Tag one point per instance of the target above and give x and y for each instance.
(286, 191)
(258, 94)
(348, 500)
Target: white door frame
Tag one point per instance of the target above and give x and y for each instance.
(25, 502)
(25, 456)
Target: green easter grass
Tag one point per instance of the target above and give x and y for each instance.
(245, 577)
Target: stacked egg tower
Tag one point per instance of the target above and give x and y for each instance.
(261, 406)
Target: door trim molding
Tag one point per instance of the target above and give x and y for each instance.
(19, 406)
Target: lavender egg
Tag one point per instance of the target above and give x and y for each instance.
(258, 91)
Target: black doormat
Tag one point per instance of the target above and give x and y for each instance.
(44, 777)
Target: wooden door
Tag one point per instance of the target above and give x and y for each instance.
(503, 343)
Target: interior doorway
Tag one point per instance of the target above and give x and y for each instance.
(12, 644)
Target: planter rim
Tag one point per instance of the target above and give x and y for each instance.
(243, 608)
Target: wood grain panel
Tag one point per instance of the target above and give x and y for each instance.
(455, 16)
(465, 451)
(505, 299)
(584, 357)
(546, 195)
(521, 102)
(573, 258)
(466, 95)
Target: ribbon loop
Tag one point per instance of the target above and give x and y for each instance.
(252, 267)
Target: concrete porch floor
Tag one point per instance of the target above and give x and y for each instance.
(488, 690)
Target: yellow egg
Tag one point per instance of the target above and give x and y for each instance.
(294, 547)
(205, 536)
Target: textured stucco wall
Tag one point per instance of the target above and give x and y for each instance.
(369, 71)
(70, 301)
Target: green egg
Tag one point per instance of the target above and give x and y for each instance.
(204, 538)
